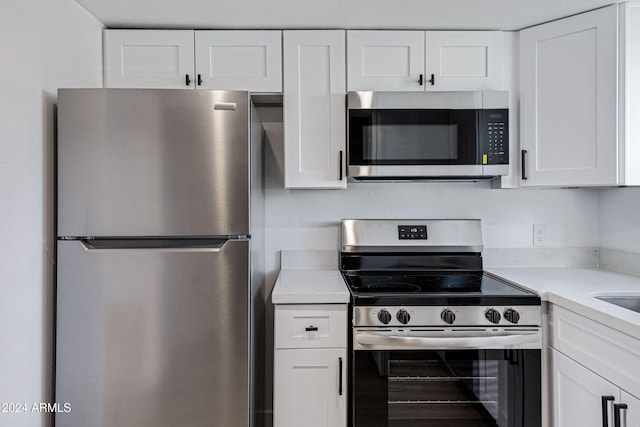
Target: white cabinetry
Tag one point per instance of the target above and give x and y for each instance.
(314, 109)
(419, 60)
(589, 361)
(239, 60)
(577, 394)
(148, 59)
(577, 96)
(179, 59)
(310, 365)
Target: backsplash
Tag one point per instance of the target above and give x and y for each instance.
(619, 261)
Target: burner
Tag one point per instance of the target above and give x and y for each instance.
(393, 287)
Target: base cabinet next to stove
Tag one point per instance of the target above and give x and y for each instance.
(589, 361)
(310, 365)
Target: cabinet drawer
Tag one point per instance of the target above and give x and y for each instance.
(606, 351)
(311, 326)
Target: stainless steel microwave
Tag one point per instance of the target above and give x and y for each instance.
(432, 135)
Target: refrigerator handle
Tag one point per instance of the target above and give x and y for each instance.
(155, 245)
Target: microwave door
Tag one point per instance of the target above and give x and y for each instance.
(396, 143)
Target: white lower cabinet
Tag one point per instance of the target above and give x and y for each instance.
(310, 388)
(577, 394)
(632, 413)
(589, 361)
(310, 365)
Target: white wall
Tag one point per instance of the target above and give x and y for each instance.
(619, 223)
(45, 44)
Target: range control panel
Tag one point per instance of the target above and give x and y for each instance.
(495, 137)
(529, 315)
(412, 232)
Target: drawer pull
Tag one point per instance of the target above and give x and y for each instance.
(605, 409)
(311, 328)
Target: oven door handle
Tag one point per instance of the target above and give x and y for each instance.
(461, 342)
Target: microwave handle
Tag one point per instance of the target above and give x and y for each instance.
(340, 167)
(524, 164)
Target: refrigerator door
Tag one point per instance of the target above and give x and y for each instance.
(153, 335)
(153, 162)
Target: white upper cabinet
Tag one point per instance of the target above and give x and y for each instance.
(185, 59)
(419, 60)
(568, 73)
(314, 109)
(464, 60)
(239, 60)
(385, 60)
(148, 59)
(580, 100)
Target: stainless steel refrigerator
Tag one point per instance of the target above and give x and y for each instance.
(159, 207)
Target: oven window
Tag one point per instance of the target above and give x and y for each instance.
(447, 388)
(406, 137)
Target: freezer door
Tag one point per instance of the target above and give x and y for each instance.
(147, 162)
(153, 335)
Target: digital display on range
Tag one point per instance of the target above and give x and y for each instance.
(412, 232)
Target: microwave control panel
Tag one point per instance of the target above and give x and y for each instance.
(495, 136)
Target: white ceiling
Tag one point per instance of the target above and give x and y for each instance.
(383, 14)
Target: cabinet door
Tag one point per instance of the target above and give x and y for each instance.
(310, 388)
(385, 60)
(633, 409)
(314, 109)
(577, 393)
(569, 105)
(161, 59)
(239, 60)
(464, 60)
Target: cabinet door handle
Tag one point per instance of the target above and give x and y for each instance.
(524, 164)
(605, 409)
(187, 80)
(199, 80)
(340, 167)
(432, 80)
(420, 80)
(617, 414)
(311, 328)
(340, 377)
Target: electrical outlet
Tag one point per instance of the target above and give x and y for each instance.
(539, 235)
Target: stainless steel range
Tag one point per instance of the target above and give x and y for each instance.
(436, 339)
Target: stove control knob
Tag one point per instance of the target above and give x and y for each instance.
(448, 316)
(511, 315)
(403, 316)
(492, 315)
(384, 316)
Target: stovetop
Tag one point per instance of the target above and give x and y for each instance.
(435, 288)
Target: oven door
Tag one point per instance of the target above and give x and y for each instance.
(410, 386)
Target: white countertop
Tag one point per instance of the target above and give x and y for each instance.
(575, 289)
(310, 286)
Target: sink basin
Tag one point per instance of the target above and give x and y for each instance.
(630, 302)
